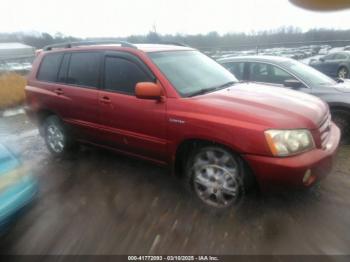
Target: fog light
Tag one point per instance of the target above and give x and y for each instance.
(308, 178)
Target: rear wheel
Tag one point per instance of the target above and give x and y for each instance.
(57, 139)
(342, 119)
(215, 175)
(343, 72)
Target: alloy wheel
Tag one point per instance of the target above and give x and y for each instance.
(343, 73)
(216, 178)
(55, 138)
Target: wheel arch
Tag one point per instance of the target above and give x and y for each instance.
(186, 147)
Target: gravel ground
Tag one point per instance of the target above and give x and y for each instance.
(102, 203)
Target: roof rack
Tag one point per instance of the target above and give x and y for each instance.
(87, 43)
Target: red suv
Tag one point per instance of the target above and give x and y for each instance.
(175, 106)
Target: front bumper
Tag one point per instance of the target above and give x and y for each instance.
(278, 173)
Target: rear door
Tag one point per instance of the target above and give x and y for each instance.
(76, 92)
(339, 59)
(130, 124)
(327, 65)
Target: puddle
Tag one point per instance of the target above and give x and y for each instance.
(13, 112)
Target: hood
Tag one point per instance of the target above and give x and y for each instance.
(267, 106)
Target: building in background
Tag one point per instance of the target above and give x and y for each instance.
(16, 57)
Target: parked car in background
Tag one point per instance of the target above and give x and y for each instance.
(175, 106)
(335, 64)
(288, 73)
(17, 188)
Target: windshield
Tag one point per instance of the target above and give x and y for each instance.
(192, 72)
(308, 74)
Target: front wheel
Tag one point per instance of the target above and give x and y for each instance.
(215, 175)
(342, 119)
(343, 73)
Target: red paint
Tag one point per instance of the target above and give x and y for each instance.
(154, 129)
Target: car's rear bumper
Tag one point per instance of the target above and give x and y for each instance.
(279, 173)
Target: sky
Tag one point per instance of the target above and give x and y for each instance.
(112, 18)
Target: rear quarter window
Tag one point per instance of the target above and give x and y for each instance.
(49, 67)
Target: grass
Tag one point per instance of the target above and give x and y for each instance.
(11, 90)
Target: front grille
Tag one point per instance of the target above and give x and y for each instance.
(324, 130)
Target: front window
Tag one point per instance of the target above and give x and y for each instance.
(309, 75)
(122, 75)
(192, 72)
(261, 72)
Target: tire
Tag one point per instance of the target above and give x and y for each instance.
(57, 139)
(343, 72)
(342, 119)
(215, 176)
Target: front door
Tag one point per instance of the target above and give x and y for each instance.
(130, 124)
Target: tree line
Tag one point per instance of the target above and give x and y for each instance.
(211, 40)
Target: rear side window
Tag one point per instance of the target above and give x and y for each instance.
(260, 72)
(49, 67)
(84, 69)
(236, 68)
(122, 75)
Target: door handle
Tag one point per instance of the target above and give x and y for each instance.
(105, 100)
(59, 91)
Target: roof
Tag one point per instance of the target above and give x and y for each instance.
(277, 59)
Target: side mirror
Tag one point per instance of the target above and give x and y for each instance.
(148, 90)
(293, 83)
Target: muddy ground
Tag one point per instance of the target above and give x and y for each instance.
(102, 203)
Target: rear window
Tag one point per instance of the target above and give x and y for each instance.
(49, 67)
(84, 69)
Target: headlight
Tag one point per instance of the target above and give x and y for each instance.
(289, 142)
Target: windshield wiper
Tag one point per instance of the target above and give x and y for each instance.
(211, 89)
(228, 84)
